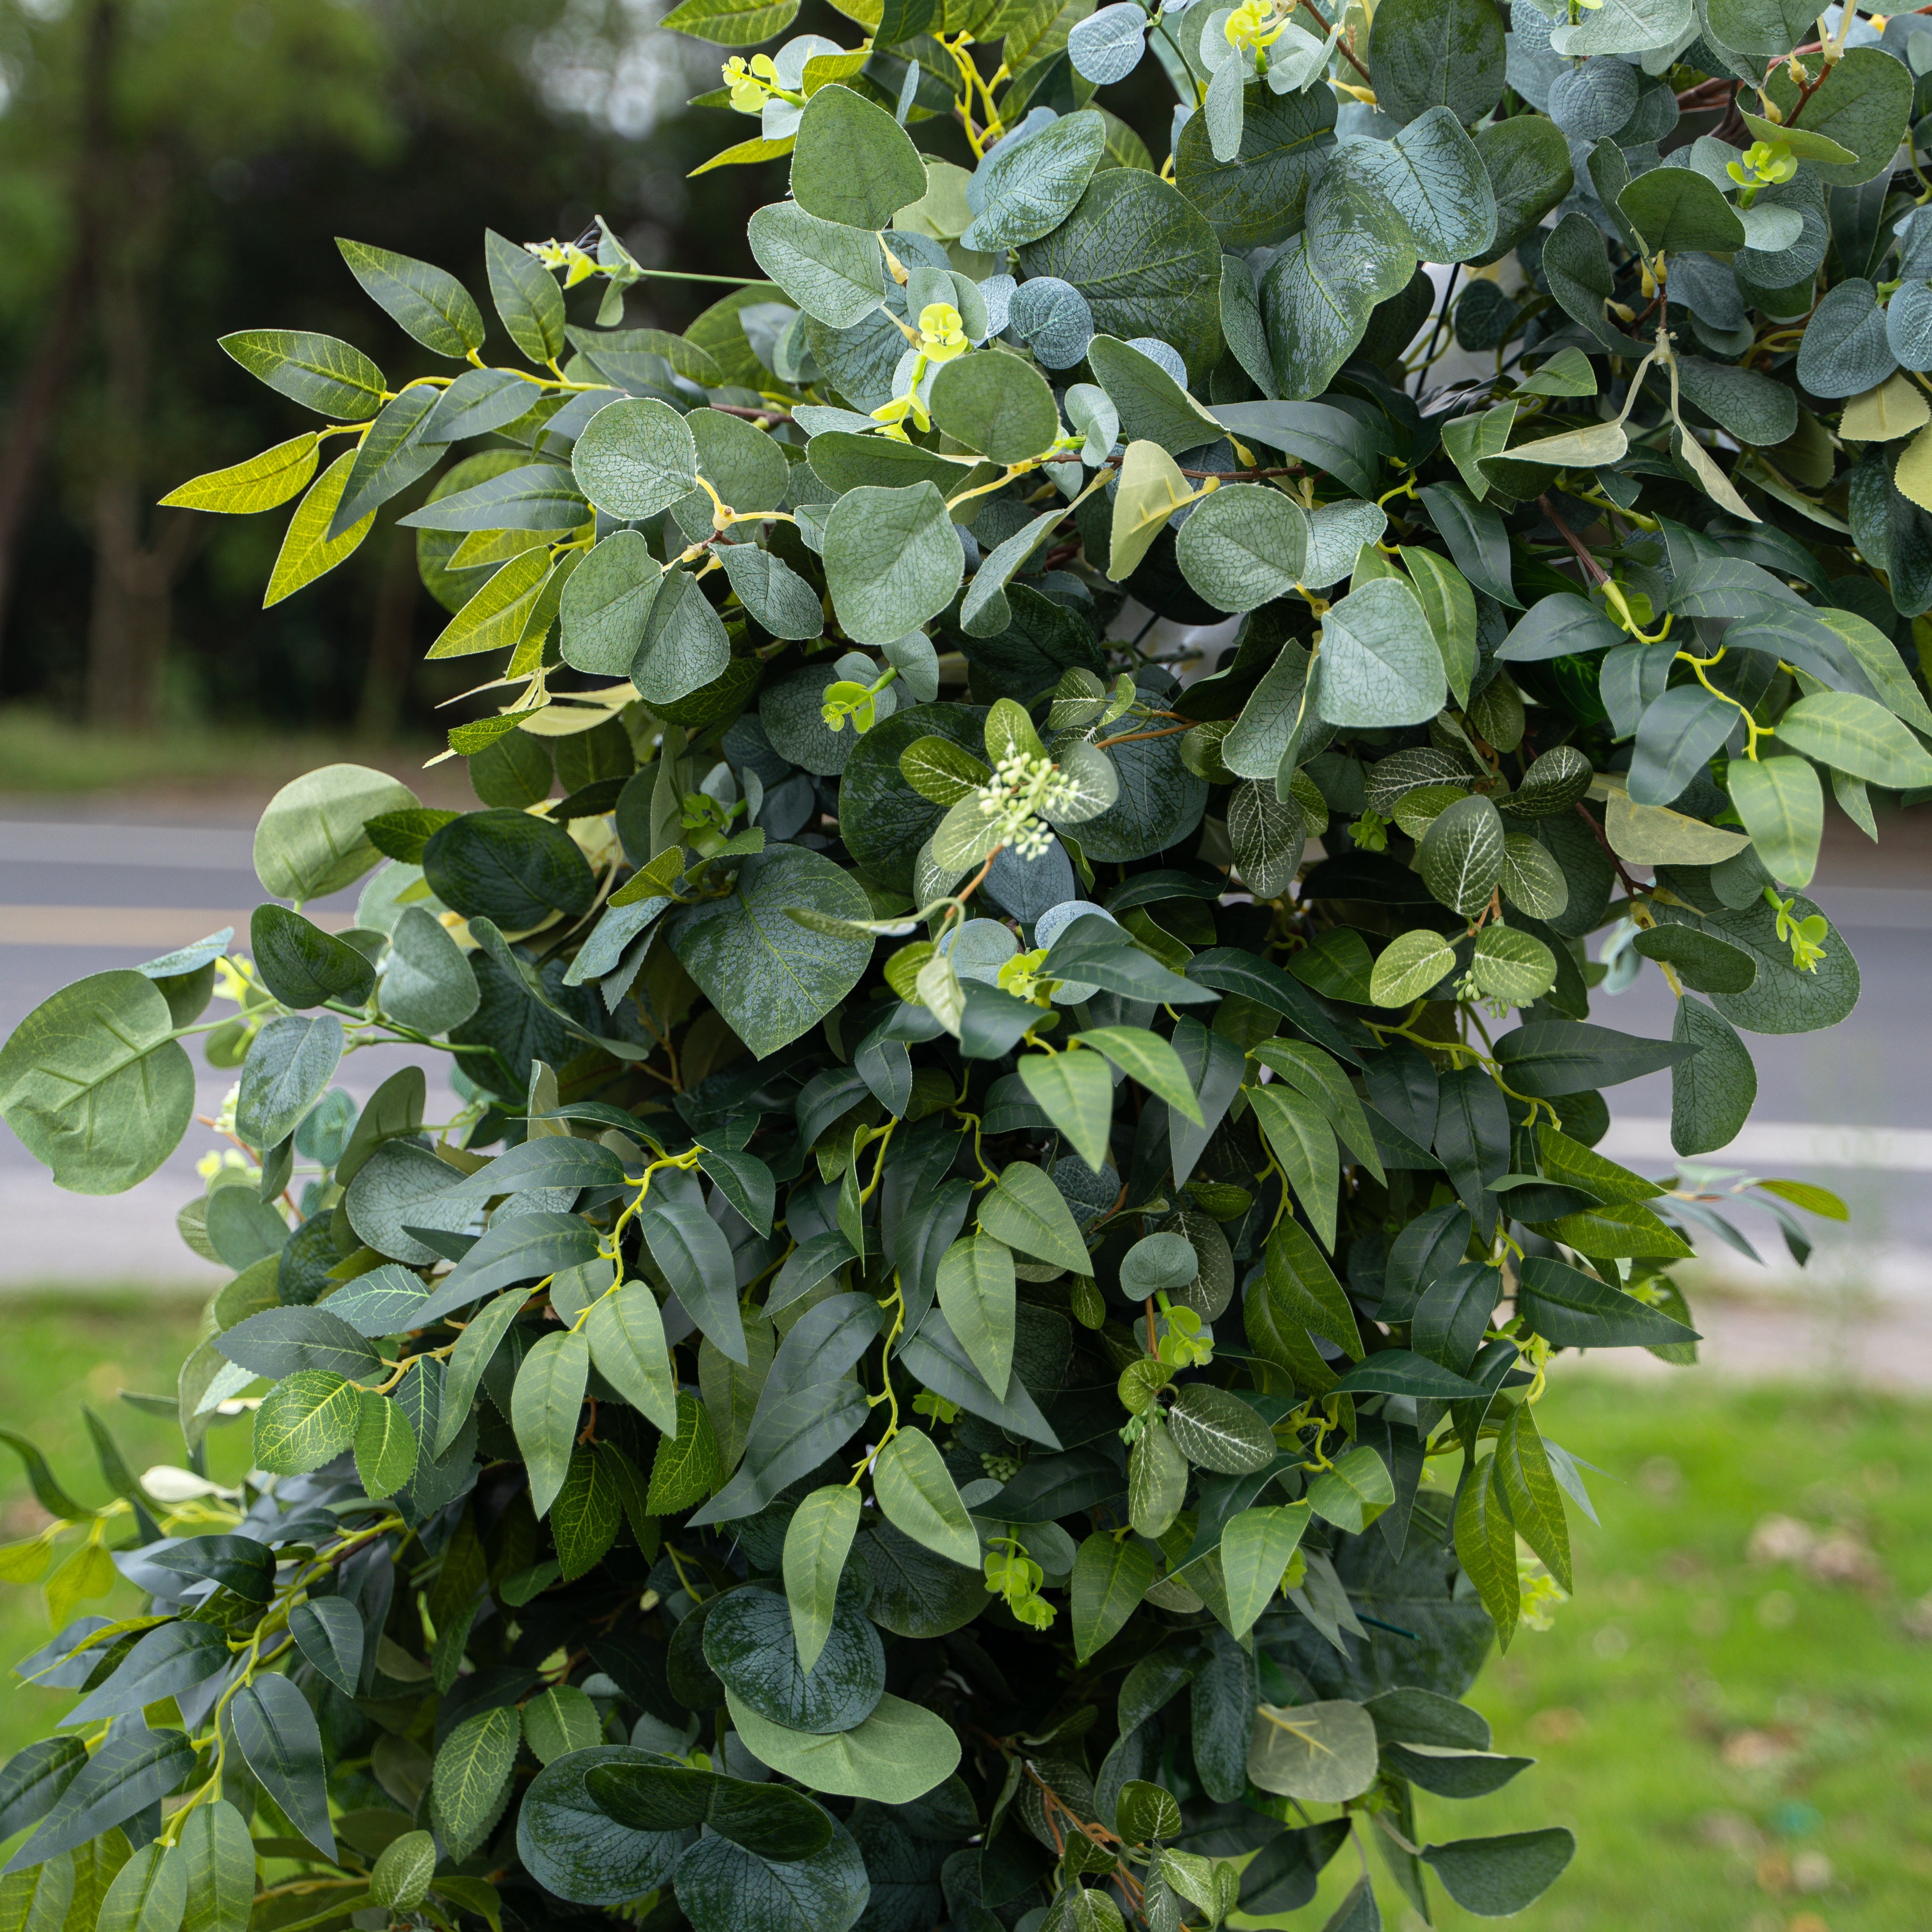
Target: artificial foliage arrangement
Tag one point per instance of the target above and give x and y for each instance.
(971, 1354)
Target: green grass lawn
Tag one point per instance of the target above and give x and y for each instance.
(1739, 1746)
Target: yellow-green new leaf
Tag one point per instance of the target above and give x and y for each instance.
(626, 1334)
(1255, 1548)
(1076, 1091)
(1151, 490)
(918, 1494)
(1110, 1578)
(818, 1541)
(307, 550)
(979, 1299)
(495, 618)
(544, 1407)
(260, 484)
(1303, 1144)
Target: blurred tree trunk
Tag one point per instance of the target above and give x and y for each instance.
(44, 384)
(134, 574)
(385, 677)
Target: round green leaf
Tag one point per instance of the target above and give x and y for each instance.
(1323, 286)
(898, 1753)
(853, 163)
(1160, 802)
(1028, 187)
(832, 271)
(1157, 1262)
(635, 458)
(95, 1084)
(1780, 999)
(1462, 856)
(1259, 197)
(1554, 783)
(508, 867)
(605, 603)
(1703, 962)
(748, 1641)
(1146, 261)
(996, 404)
(1244, 546)
(289, 1066)
(893, 560)
(573, 1848)
(1495, 1877)
(684, 648)
(1435, 181)
(722, 1887)
(302, 965)
(1379, 665)
(1323, 1753)
(1712, 1092)
(772, 978)
(742, 462)
(310, 842)
(1424, 53)
(427, 982)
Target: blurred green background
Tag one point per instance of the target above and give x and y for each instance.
(1735, 1716)
(171, 170)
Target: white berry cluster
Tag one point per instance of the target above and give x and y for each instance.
(1023, 792)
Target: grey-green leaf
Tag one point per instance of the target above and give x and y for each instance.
(893, 560)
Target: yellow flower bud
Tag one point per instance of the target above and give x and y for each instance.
(894, 413)
(748, 93)
(1251, 26)
(942, 332)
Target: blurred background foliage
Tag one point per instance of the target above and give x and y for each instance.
(171, 170)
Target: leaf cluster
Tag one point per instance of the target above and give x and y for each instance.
(999, 1178)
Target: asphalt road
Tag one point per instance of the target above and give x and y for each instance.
(85, 889)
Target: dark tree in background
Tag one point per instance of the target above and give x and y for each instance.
(171, 170)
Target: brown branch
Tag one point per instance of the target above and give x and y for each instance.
(1630, 885)
(1593, 569)
(1347, 52)
(751, 415)
(1134, 737)
(1247, 475)
(1705, 94)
